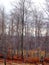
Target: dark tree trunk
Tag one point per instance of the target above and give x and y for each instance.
(4, 61)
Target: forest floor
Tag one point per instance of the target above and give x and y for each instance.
(21, 63)
(16, 62)
(26, 61)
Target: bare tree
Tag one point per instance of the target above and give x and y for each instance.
(4, 47)
(46, 40)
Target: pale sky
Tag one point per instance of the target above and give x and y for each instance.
(8, 6)
(39, 3)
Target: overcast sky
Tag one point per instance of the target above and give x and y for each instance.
(8, 6)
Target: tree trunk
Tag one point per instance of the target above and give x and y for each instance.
(4, 61)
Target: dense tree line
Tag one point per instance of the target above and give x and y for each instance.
(23, 29)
